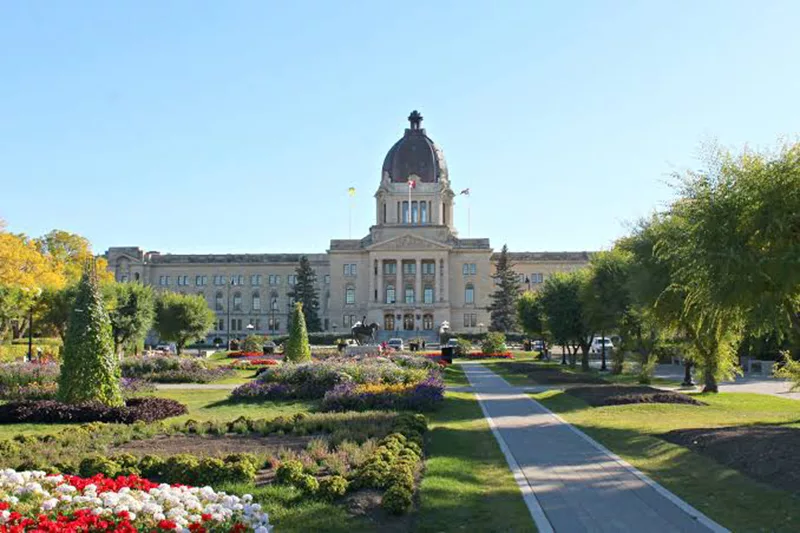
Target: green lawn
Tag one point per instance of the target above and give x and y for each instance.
(727, 496)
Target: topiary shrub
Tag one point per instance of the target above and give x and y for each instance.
(397, 500)
(333, 487)
(297, 349)
(89, 371)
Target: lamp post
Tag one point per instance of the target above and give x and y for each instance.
(36, 292)
(228, 301)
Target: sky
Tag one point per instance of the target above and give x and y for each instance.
(233, 127)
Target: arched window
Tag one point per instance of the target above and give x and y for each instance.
(237, 301)
(388, 322)
(350, 295)
(427, 295)
(409, 294)
(218, 302)
(256, 302)
(390, 297)
(273, 304)
(469, 294)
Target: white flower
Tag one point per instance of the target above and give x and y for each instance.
(49, 504)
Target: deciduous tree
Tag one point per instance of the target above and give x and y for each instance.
(132, 313)
(562, 303)
(181, 318)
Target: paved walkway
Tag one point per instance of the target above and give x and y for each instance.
(756, 384)
(570, 482)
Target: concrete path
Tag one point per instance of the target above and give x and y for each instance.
(756, 384)
(570, 482)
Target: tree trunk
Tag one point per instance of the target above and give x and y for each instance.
(564, 351)
(585, 358)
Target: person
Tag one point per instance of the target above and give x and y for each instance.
(423, 344)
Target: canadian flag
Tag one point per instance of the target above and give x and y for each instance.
(412, 184)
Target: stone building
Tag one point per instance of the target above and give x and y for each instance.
(409, 274)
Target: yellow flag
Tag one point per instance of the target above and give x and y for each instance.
(351, 191)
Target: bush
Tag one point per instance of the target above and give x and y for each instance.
(289, 472)
(253, 343)
(647, 366)
(308, 484)
(91, 466)
(333, 487)
(397, 500)
(171, 369)
(297, 348)
(51, 411)
(463, 347)
(493, 343)
(181, 468)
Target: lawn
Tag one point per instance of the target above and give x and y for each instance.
(726, 495)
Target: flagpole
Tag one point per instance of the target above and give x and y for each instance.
(350, 219)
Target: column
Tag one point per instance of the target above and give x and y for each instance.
(379, 281)
(399, 295)
(372, 276)
(446, 278)
(418, 284)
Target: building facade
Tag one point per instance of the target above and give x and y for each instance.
(409, 274)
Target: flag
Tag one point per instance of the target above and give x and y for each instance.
(412, 184)
(351, 191)
(465, 192)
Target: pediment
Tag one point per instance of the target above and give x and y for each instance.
(408, 242)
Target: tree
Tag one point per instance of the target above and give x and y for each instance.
(530, 314)
(89, 370)
(181, 318)
(68, 253)
(297, 349)
(563, 308)
(132, 313)
(606, 298)
(503, 306)
(305, 291)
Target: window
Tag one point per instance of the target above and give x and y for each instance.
(390, 294)
(348, 320)
(470, 320)
(405, 212)
(218, 302)
(409, 267)
(427, 295)
(409, 294)
(384, 213)
(469, 269)
(424, 212)
(221, 324)
(237, 301)
(237, 280)
(291, 279)
(388, 322)
(256, 323)
(219, 280)
(274, 303)
(427, 322)
(256, 302)
(200, 280)
(163, 281)
(428, 267)
(521, 278)
(537, 277)
(236, 324)
(349, 269)
(414, 212)
(390, 267)
(350, 295)
(327, 279)
(255, 280)
(123, 278)
(273, 324)
(469, 294)
(182, 280)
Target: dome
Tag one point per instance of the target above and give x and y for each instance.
(415, 153)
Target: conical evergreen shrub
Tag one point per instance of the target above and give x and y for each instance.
(297, 349)
(89, 370)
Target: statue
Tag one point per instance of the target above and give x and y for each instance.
(364, 333)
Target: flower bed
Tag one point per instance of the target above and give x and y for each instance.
(170, 369)
(252, 364)
(236, 355)
(425, 395)
(39, 381)
(51, 411)
(314, 380)
(499, 355)
(36, 501)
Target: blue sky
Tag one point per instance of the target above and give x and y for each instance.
(238, 126)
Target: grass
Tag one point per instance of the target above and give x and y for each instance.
(467, 484)
(727, 496)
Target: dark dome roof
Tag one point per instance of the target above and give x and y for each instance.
(415, 153)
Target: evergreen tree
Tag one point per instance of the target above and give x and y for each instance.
(305, 291)
(297, 349)
(503, 306)
(89, 370)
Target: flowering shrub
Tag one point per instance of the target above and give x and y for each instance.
(171, 369)
(423, 396)
(313, 380)
(35, 501)
(51, 411)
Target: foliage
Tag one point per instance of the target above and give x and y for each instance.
(425, 395)
(790, 369)
(252, 344)
(297, 349)
(333, 487)
(69, 252)
(169, 369)
(463, 347)
(530, 314)
(89, 372)
(565, 315)
(305, 292)
(182, 317)
(51, 411)
(495, 342)
(132, 313)
(503, 306)
(647, 366)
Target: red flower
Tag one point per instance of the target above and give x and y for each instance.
(167, 524)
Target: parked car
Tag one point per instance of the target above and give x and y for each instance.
(395, 343)
(451, 343)
(538, 346)
(597, 345)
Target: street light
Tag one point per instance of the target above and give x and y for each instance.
(36, 292)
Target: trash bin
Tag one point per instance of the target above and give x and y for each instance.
(413, 346)
(269, 348)
(447, 354)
